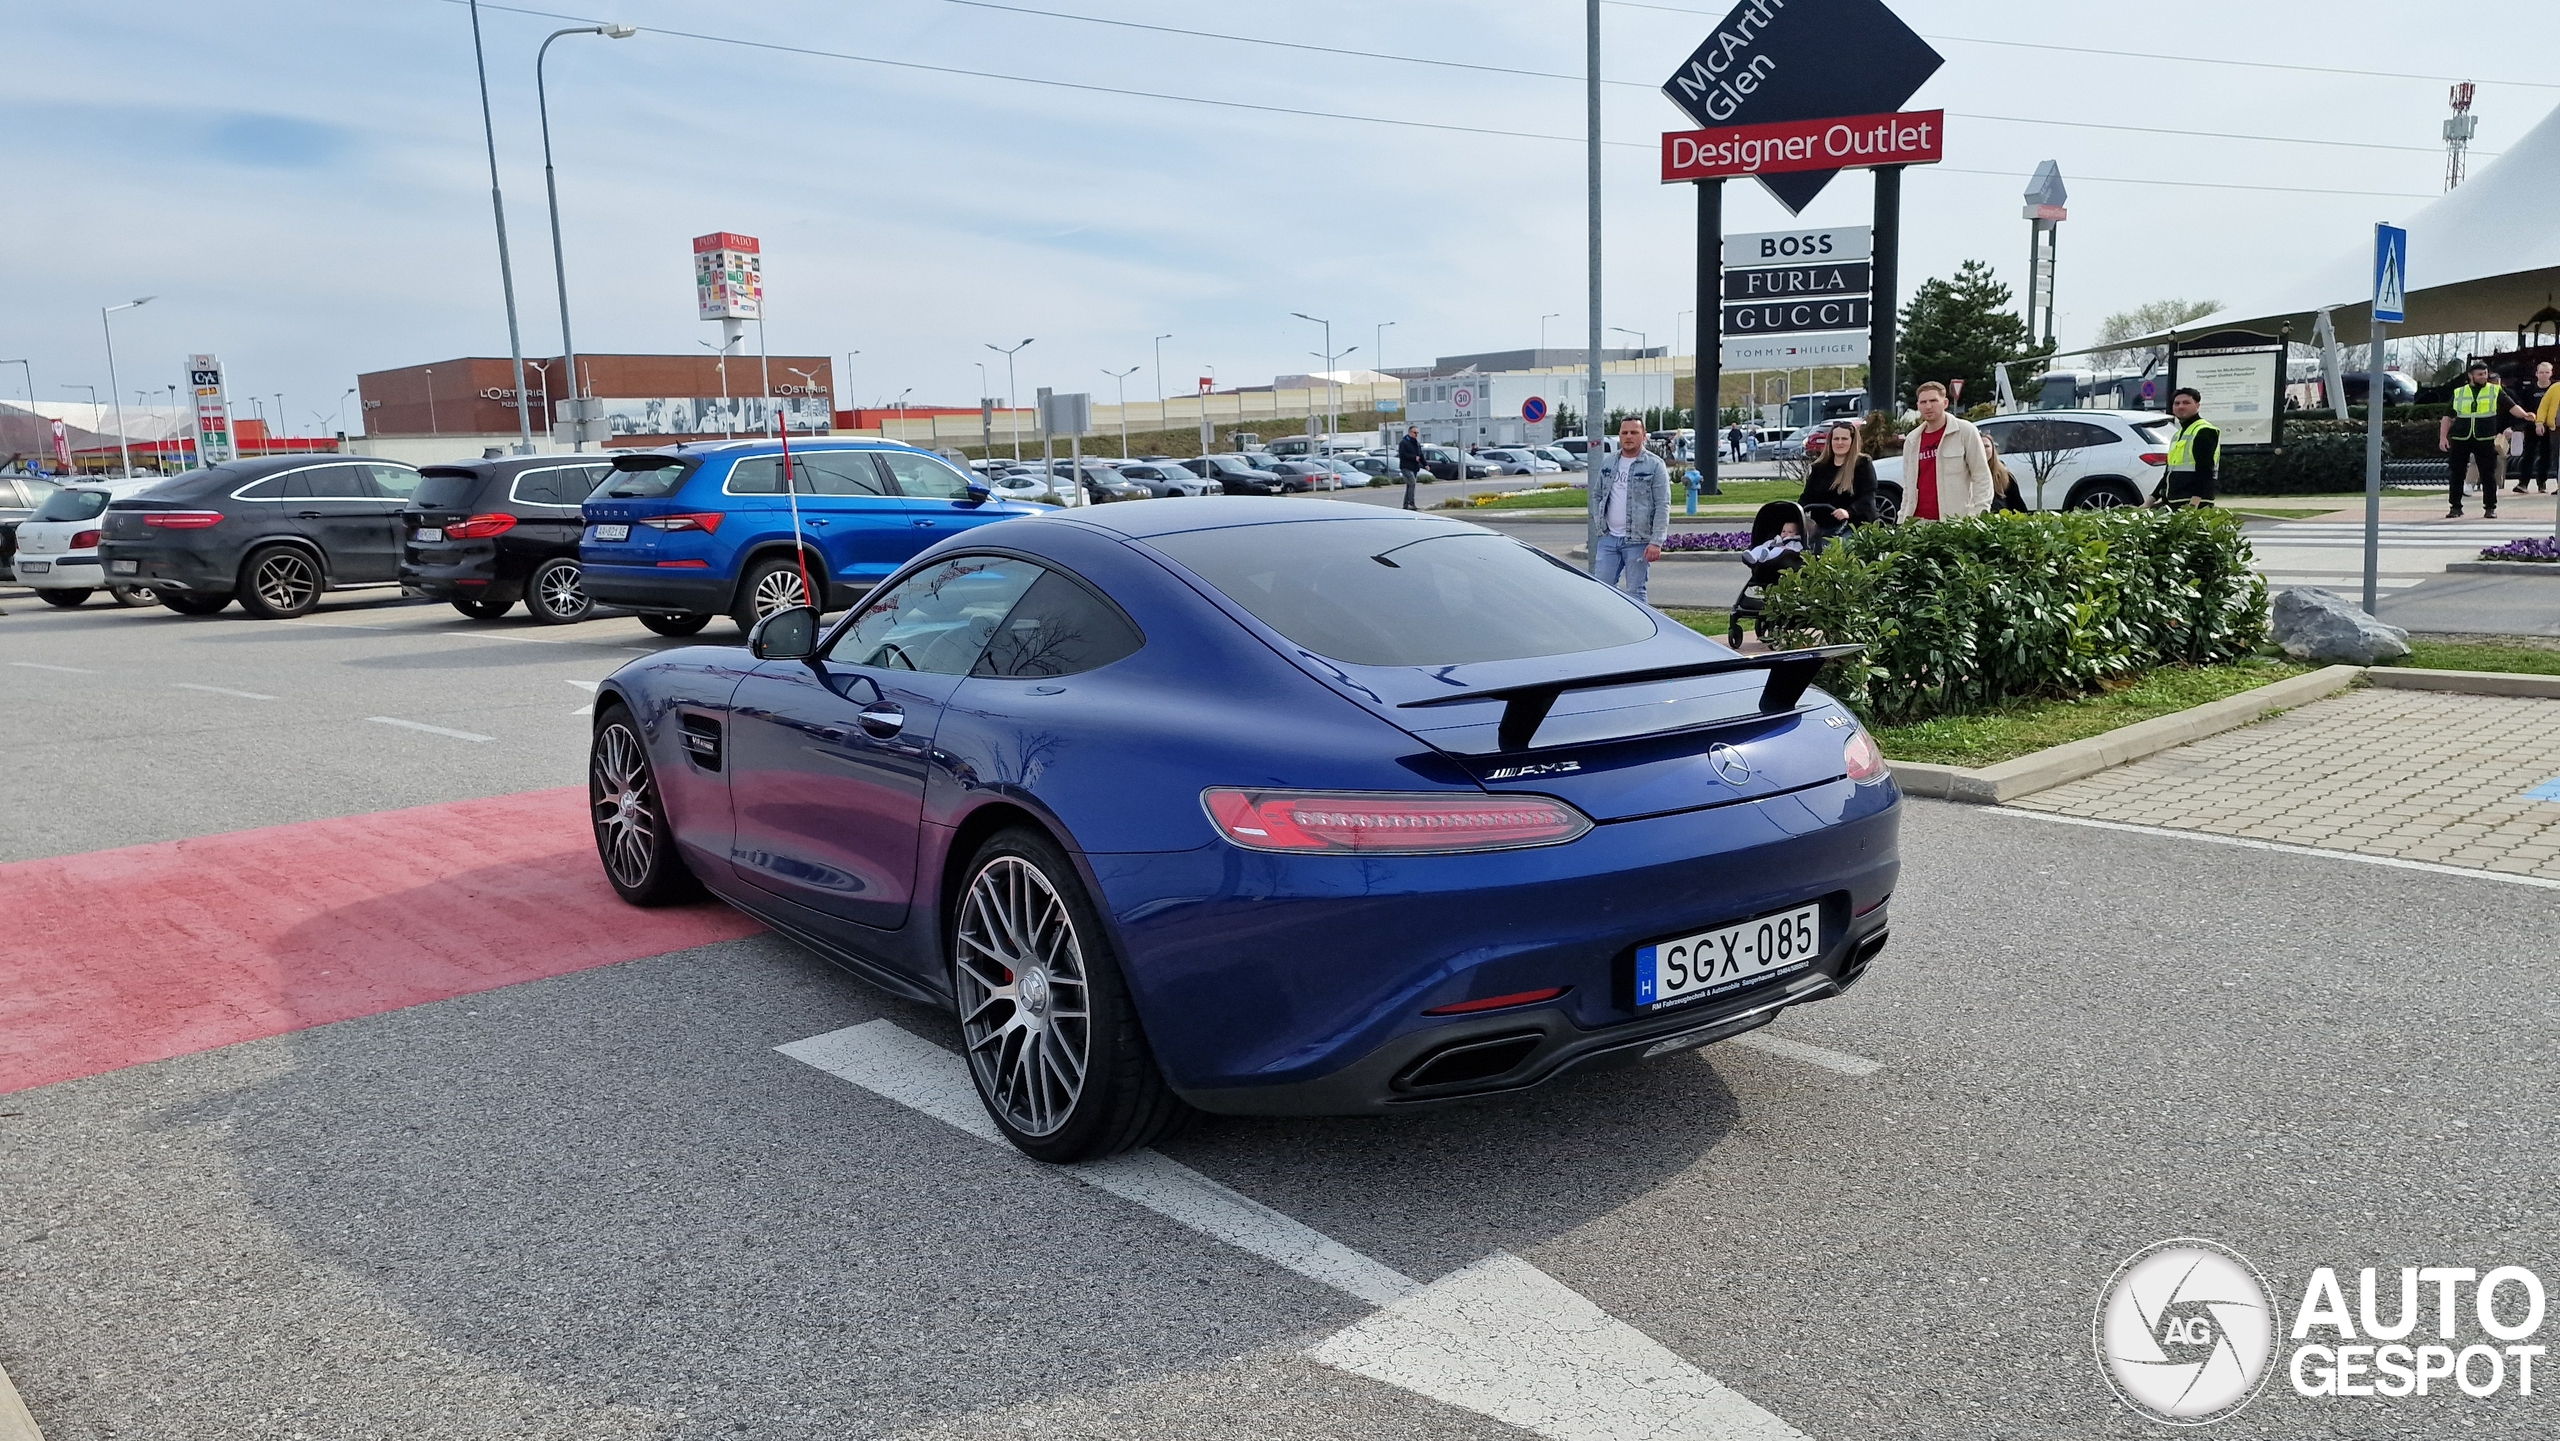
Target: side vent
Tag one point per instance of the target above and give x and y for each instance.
(702, 741)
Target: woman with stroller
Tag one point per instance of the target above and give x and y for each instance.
(1840, 490)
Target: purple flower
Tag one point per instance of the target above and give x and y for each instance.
(1708, 540)
(2540, 547)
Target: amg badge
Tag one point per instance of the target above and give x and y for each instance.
(1551, 768)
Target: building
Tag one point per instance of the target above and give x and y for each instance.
(647, 399)
(1494, 409)
(1559, 358)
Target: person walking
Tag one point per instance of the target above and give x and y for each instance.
(1630, 507)
(1733, 441)
(1409, 460)
(1840, 490)
(2470, 437)
(1943, 461)
(2195, 452)
(2525, 404)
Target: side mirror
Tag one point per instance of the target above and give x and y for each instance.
(979, 490)
(785, 635)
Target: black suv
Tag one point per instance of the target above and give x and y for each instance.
(273, 533)
(486, 534)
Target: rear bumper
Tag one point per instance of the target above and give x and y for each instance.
(457, 570)
(168, 567)
(656, 590)
(76, 570)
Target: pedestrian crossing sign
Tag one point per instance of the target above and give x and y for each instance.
(2390, 273)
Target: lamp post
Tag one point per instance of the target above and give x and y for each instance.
(266, 437)
(341, 426)
(287, 426)
(1013, 421)
(498, 208)
(808, 387)
(123, 447)
(1378, 353)
(1328, 351)
(1122, 376)
(727, 431)
(902, 408)
(542, 368)
(177, 422)
(560, 266)
(1641, 345)
(432, 427)
(1542, 333)
(1161, 423)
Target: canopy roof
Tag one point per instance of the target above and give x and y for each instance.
(2482, 257)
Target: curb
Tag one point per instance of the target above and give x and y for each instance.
(2466, 682)
(2062, 764)
(1729, 557)
(15, 1423)
(2503, 567)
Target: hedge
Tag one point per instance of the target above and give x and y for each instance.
(1962, 615)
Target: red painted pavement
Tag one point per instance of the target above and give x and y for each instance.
(118, 957)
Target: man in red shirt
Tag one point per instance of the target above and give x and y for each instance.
(1943, 462)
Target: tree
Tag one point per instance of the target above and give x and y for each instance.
(2144, 320)
(1957, 329)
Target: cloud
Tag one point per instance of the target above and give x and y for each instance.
(274, 142)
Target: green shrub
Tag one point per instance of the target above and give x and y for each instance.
(1958, 616)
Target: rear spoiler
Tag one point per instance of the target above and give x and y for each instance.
(1525, 706)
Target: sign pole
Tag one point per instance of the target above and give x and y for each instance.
(1708, 416)
(2373, 408)
(1882, 384)
(1596, 397)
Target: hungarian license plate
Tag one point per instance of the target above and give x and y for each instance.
(34, 567)
(430, 534)
(1727, 958)
(126, 567)
(613, 532)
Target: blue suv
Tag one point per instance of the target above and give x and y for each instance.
(687, 533)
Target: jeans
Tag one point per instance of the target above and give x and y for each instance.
(1621, 563)
(1410, 477)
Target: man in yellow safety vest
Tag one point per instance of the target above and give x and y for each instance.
(2193, 454)
(2471, 435)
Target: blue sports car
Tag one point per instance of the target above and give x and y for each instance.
(1300, 807)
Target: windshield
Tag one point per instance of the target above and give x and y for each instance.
(1441, 596)
(646, 477)
(71, 505)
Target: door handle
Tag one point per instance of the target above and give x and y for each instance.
(882, 718)
(925, 524)
(819, 521)
(308, 515)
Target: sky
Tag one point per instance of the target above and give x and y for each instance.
(303, 186)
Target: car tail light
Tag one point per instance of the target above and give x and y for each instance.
(1496, 1003)
(1389, 822)
(85, 540)
(2155, 457)
(183, 519)
(1864, 758)
(480, 527)
(706, 521)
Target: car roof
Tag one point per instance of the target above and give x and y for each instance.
(2133, 417)
(510, 465)
(1177, 514)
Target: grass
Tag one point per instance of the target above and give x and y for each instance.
(2531, 656)
(2014, 730)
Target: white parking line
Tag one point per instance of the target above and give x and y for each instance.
(1500, 1338)
(220, 690)
(2245, 843)
(423, 726)
(1829, 1060)
(39, 665)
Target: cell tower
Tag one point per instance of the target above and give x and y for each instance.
(2457, 134)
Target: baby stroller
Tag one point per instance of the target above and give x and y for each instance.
(1752, 604)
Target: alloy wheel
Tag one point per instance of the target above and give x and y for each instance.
(1025, 1007)
(626, 805)
(561, 590)
(286, 582)
(778, 590)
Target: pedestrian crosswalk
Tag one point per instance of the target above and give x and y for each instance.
(2329, 554)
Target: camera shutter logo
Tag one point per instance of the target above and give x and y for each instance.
(2185, 1332)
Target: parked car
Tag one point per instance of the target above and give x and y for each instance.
(485, 534)
(57, 554)
(275, 533)
(2091, 459)
(19, 497)
(1577, 446)
(1795, 444)
(1376, 467)
(1300, 476)
(1448, 464)
(1234, 475)
(1102, 482)
(866, 792)
(1261, 459)
(1519, 460)
(1168, 478)
(692, 531)
(1346, 470)
(1022, 485)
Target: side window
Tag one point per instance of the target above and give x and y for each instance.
(1058, 628)
(293, 485)
(839, 472)
(938, 619)
(756, 475)
(2081, 435)
(341, 482)
(924, 476)
(394, 481)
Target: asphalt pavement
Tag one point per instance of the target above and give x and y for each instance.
(606, 1204)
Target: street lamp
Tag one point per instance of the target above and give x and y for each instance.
(808, 387)
(543, 369)
(1378, 351)
(1159, 343)
(432, 428)
(93, 405)
(506, 266)
(123, 447)
(287, 426)
(1542, 333)
(1122, 376)
(341, 427)
(1012, 421)
(902, 409)
(177, 424)
(1328, 364)
(1642, 345)
(560, 266)
(722, 350)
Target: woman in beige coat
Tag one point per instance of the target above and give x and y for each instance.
(1945, 473)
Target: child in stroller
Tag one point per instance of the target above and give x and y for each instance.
(1777, 546)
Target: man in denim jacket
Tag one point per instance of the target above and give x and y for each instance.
(1630, 511)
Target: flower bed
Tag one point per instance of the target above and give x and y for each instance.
(1697, 540)
(2539, 547)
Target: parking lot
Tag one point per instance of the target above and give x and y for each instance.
(445, 1149)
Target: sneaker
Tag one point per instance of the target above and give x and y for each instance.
(2519, 490)
(2454, 514)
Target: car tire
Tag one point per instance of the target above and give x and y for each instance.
(133, 597)
(66, 599)
(769, 586)
(486, 607)
(675, 625)
(634, 838)
(1889, 502)
(1024, 1035)
(556, 593)
(2105, 493)
(280, 582)
(188, 602)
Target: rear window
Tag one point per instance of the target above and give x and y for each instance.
(647, 477)
(72, 505)
(1441, 597)
(447, 490)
